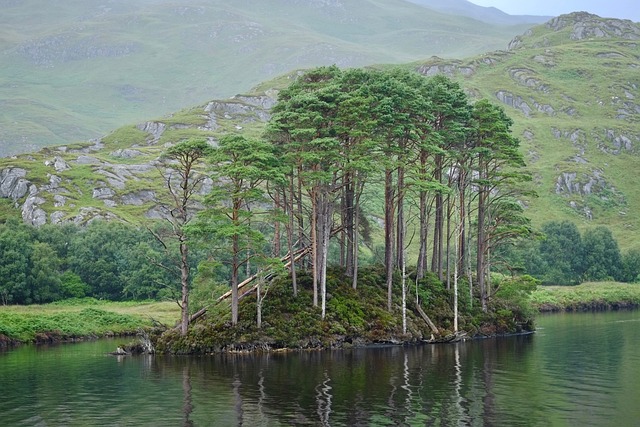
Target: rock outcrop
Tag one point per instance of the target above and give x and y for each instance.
(13, 184)
(85, 182)
(584, 25)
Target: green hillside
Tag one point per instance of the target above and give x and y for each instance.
(571, 85)
(76, 69)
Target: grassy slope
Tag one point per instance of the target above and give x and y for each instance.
(82, 318)
(76, 69)
(594, 77)
(586, 296)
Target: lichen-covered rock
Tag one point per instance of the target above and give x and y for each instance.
(155, 129)
(13, 184)
(126, 153)
(103, 193)
(528, 78)
(585, 25)
(58, 163)
(514, 101)
(588, 185)
(615, 142)
(138, 198)
(32, 213)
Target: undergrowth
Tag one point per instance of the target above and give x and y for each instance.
(353, 317)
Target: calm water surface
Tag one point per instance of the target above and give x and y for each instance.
(577, 370)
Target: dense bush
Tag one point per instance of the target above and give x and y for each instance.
(565, 257)
(104, 260)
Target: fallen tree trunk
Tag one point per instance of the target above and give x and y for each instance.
(297, 256)
(424, 316)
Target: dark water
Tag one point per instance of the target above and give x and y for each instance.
(578, 369)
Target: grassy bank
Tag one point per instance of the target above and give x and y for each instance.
(72, 319)
(287, 324)
(587, 296)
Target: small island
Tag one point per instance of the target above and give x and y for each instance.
(355, 318)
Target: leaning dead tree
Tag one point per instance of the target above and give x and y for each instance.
(287, 260)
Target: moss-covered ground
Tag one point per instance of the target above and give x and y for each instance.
(353, 317)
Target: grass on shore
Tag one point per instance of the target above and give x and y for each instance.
(90, 317)
(81, 318)
(587, 296)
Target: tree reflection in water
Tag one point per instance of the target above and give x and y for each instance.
(451, 384)
(187, 405)
(580, 369)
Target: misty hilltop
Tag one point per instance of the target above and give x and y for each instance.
(75, 70)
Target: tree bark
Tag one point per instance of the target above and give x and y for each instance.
(292, 268)
(481, 248)
(388, 239)
(184, 281)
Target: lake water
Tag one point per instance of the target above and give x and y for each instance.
(578, 369)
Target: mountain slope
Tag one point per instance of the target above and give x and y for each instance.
(571, 85)
(480, 13)
(73, 70)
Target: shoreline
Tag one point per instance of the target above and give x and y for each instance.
(56, 337)
(589, 306)
(81, 320)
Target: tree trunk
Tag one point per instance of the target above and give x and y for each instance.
(448, 251)
(349, 226)
(258, 307)
(481, 245)
(235, 263)
(403, 263)
(276, 228)
(421, 266)
(314, 245)
(184, 280)
(299, 208)
(356, 225)
(294, 279)
(436, 261)
(324, 233)
(400, 218)
(388, 238)
(462, 248)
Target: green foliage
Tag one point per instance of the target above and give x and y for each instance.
(564, 257)
(15, 257)
(560, 258)
(602, 260)
(105, 260)
(44, 275)
(347, 312)
(514, 294)
(631, 266)
(72, 286)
